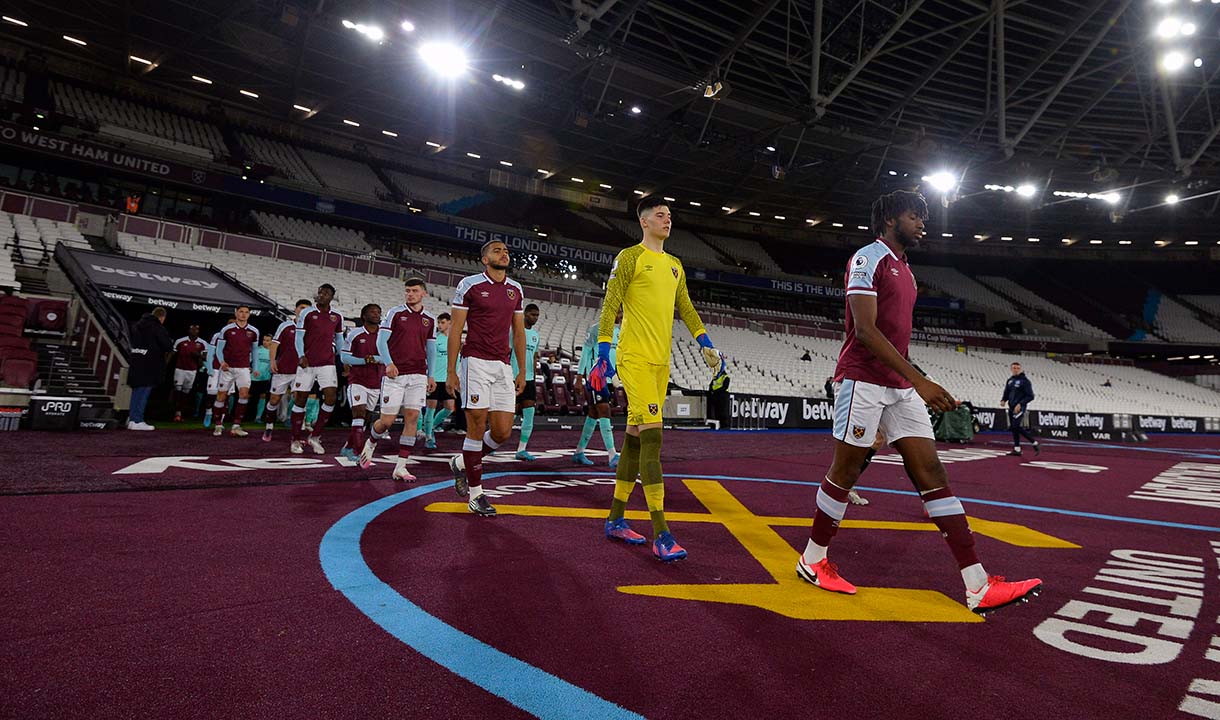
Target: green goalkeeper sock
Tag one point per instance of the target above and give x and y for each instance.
(625, 475)
(441, 414)
(429, 414)
(650, 476)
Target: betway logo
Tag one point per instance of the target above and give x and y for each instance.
(201, 306)
(174, 279)
(1150, 422)
(1052, 419)
(1182, 423)
(1090, 421)
(985, 418)
(816, 410)
(755, 408)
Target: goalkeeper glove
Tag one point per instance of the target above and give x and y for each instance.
(711, 356)
(602, 370)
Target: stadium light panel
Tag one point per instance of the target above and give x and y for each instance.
(1094, 242)
(695, 204)
(14, 21)
(1189, 29)
(1169, 27)
(577, 180)
(1191, 242)
(1124, 242)
(476, 156)
(1066, 241)
(1172, 199)
(349, 24)
(666, 198)
(1005, 237)
(302, 108)
(941, 181)
(726, 208)
(407, 26)
(1198, 62)
(544, 171)
(506, 163)
(754, 214)
(638, 192)
(372, 32)
(893, 172)
(979, 237)
(75, 41)
(604, 186)
(140, 60)
(389, 133)
(249, 94)
(770, 148)
(635, 110)
(444, 59)
(780, 217)
(431, 144)
(353, 123)
(1034, 240)
(1026, 190)
(541, 234)
(861, 227)
(949, 235)
(1173, 60)
(203, 80)
(834, 224)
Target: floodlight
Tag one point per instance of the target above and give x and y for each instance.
(445, 59)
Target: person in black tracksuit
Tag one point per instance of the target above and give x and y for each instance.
(1018, 394)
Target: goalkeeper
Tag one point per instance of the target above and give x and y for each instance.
(648, 284)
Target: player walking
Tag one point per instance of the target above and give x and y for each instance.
(647, 283)
(235, 350)
(881, 390)
(188, 359)
(318, 340)
(597, 408)
(283, 366)
(440, 402)
(364, 375)
(406, 346)
(491, 304)
(529, 394)
(1018, 394)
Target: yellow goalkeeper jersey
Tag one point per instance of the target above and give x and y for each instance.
(648, 285)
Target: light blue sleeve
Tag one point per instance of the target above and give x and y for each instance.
(383, 346)
(211, 356)
(345, 354)
(254, 349)
(431, 345)
(299, 335)
(220, 349)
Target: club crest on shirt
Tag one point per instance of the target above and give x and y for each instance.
(428, 322)
(652, 408)
(474, 398)
(512, 294)
(674, 270)
(857, 431)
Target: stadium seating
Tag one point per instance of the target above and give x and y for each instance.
(129, 121)
(425, 190)
(12, 84)
(1177, 323)
(8, 245)
(1012, 289)
(342, 174)
(953, 282)
(281, 156)
(312, 233)
(745, 251)
(1209, 303)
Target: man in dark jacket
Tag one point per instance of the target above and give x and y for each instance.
(1018, 394)
(150, 342)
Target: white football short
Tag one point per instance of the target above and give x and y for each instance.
(488, 385)
(184, 380)
(282, 382)
(233, 377)
(358, 395)
(213, 382)
(325, 376)
(861, 409)
(405, 392)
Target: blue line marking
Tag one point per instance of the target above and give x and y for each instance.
(1184, 452)
(529, 688)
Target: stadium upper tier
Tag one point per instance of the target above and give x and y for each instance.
(760, 363)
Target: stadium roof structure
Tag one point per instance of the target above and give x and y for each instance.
(727, 106)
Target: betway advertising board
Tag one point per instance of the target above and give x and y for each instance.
(774, 411)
